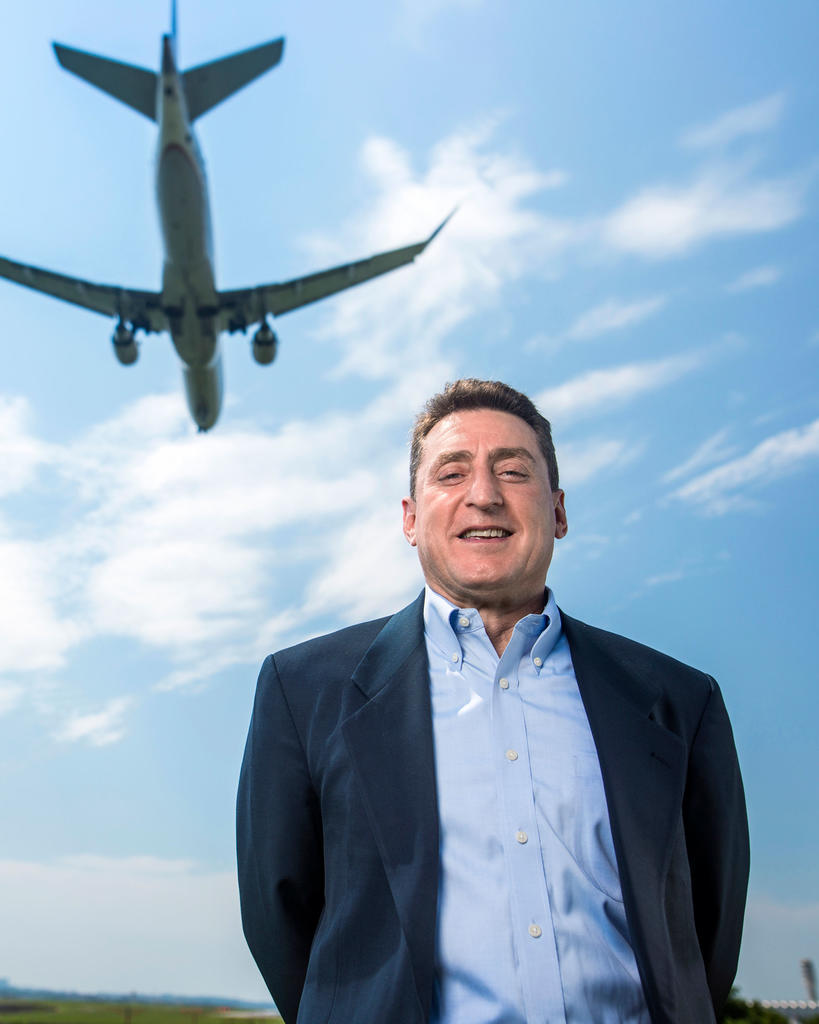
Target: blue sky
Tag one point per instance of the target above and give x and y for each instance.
(635, 247)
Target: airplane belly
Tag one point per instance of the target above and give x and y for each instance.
(195, 340)
(183, 208)
(203, 390)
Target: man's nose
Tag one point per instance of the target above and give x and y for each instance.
(484, 488)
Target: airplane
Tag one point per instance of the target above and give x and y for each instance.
(190, 306)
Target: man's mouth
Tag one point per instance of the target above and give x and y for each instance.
(485, 533)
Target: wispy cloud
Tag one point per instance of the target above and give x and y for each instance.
(599, 390)
(98, 728)
(415, 16)
(582, 461)
(614, 315)
(661, 578)
(713, 449)
(751, 119)
(726, 487)
(759, 277)
(666, 220)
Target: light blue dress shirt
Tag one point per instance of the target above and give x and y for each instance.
(531, 923)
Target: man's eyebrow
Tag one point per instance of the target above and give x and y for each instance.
(454, 456)
(495, 455)
(510, 453)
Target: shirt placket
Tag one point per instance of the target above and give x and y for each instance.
(533, 931)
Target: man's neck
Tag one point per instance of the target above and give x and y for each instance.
(499, 623)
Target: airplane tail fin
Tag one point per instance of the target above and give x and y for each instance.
(127, 83)
(209, 84)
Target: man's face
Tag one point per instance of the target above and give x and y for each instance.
(484, 518)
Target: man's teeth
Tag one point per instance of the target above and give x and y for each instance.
(492, 532)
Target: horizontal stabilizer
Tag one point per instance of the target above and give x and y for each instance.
(209, 84)
(127, 83)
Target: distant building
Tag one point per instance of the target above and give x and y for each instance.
(809, 977)
(794, 1009)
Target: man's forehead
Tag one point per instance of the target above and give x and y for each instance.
(470, 429)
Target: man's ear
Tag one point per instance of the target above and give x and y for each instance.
(561, 522)
(408, 506)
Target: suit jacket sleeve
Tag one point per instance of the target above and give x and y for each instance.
(279, 846)
(716, 830)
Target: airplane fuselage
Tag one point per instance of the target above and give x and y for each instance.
(189, 296)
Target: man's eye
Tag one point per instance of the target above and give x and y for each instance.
(453, 474)
(515, 473)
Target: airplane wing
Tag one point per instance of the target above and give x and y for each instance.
(141, 309)
(245, 306)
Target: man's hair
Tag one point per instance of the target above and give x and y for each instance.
(471, 393)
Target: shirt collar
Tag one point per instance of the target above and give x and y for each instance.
(445, 623)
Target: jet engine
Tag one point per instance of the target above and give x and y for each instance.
(265, 344)
(125, 347)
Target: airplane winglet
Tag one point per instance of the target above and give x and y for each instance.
(442, 225)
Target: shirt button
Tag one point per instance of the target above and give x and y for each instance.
(538, 662)
(504, 683)
(511, 755)
(535, 931)
(454, 658)
(522, 837)
(463, 621)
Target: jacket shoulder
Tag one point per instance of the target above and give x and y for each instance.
(630, 651)
(338, 652)
(645, 675)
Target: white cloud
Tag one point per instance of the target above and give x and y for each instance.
(599, 390)
(156, 551)
(752, 119)
(34, 634)
(759, 277)
(20, 453)
(91, 923)
(664, 220)
(724, 488)
(99, 728)
(713, 449)
(399, 322)
(10, 697)
(614, 315)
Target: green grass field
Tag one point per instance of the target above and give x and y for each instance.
(24, 1011)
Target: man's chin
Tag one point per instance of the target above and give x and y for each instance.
(481, 590)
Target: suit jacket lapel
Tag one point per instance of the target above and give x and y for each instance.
(391, 746)
(643, 767)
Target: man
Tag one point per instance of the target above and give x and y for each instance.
(480, 810)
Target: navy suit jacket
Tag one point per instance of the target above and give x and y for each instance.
(337, 823)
